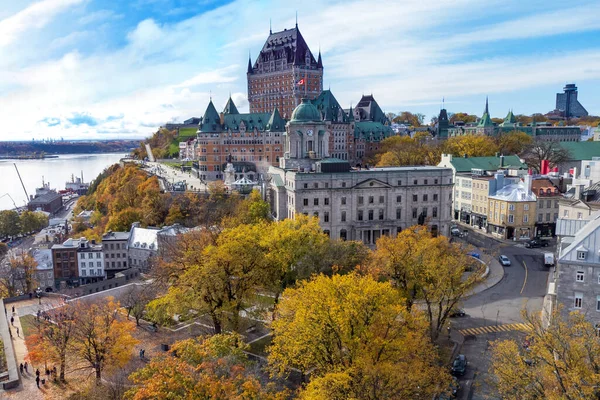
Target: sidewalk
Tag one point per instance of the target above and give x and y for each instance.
(495, 274)
(28, 389)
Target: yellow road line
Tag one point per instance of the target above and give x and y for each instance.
(525, 281)
(493, 328)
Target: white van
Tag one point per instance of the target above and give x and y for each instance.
(549, 259)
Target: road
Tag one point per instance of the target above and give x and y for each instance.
(496, 312)
(174, 175)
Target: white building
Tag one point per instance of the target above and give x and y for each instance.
(143, 244)
(90, 261)
(44, 270)
(352, 204)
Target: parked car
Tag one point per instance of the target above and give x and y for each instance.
(536, 243)
(459, 366)
(504, 261)
(474, 254)
(457, 312)
(455, 232)
(549, 259)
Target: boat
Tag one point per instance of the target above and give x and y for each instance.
(77, 185)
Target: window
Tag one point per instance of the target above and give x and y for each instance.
(435, 181)
(425, 197)
(526, 207)
(306, 186)
(343, 201)
(371, 199)
(599, 278)
(305, 202)
(579, 215)
(581, 255)
(540, 217)
(99, 272)
(416, 182)
(414, 213)
(424, 212)
(326, 200)
(597, 303)
(316, 185)
(398, 199)
(343, 216)
(360, 215)
(511, 207)
(316, 201)
(526, 218)
(434, 212)
(360, 200)
(425, 182)
(83, 273)
(381, 199)
(343, 234)
(415, 197)
(579, 277)
(435, 197)
(82, 265)
(316, 214)
(343, 184)
(399, 216)
(511, 218)
(578, 300)
(370, 215)
(548, 203)
(380, 214)
(399, 183)
(326, 216)
(566, 213)
(547, 217)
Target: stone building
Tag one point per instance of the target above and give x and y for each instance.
(284, 72)
(44, 270)
(90, 261)
(512, 211)
(353, 204)
(577, 286)
(142, 246)
(114, 247)
(568, 104)
(77, 261)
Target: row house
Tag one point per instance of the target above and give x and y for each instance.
(76, 262)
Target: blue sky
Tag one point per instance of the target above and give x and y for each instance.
(119, 69)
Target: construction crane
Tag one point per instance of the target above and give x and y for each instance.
(22, 184)
(9, 196)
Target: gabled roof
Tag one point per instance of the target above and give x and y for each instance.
(492, 163)
(587, 237)
(370, 110)
(329, 107)
(276, 122)
(366, 129)
(230, 107)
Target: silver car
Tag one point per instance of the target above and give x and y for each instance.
(504, 261)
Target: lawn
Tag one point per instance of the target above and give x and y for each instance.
(259, 347)
(187, 133)
(27, 325)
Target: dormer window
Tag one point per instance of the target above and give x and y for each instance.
(581, 255)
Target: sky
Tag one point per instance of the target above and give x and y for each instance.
(99, 69)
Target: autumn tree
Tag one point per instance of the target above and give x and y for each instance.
(561, 362)
(514, 142)
(219, 278)
(213, 367)
(18, 275)
(136, 298)
(3, 249)
(51, 339)
(471, 145)
(462, 117)
(428, 269)
(100, 339)
(540, 150)
(357, 332)
(32, 221)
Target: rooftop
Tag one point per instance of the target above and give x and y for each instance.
(581, 150)
(110, 235)
(493, 163)
(514, 193)
(143, 238)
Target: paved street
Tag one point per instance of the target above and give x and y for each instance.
(495, 313)
(174, 175)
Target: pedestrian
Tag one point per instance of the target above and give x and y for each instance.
(12, 321)
(21, 368)
(47, 372)
(54, 369)
(26, 367)
(37, 381)
(31, 296)
(141, 354)
(37, 372)
(17, 331)
(13, 308)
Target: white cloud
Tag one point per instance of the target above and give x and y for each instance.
(37, 15)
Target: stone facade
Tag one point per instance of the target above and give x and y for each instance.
(114, 247)
(284, 72)
(548, 196)
(353, 204)
(512, 211)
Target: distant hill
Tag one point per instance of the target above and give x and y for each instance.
(66, 147)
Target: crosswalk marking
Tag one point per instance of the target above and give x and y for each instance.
(496, 328)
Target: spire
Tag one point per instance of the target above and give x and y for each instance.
(230, 107)
(319, 60)
(486, 111)
(249, 63)
(270, 27)
(296, 19)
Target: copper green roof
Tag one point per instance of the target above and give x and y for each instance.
(510, 118)
(276, 122)
(368, 129)
(462, 164)
(329, 108)
(211, 121)
(230, 107)
(485, 121)
(305, 112)
(581, 150)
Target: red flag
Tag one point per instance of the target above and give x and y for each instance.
(300, 82)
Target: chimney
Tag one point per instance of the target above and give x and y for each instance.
(527, 181)
(502, 161)
(465, 155)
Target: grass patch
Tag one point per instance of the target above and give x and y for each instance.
(187, 133)
(259, 347)
(27, 325)
(3, 367)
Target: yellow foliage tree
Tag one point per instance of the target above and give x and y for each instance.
(356, 332)
(513, 142)
(562, 361)
(426, 268)
(471, 145)
(101, 339)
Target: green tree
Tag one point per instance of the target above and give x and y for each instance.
(540, 150)
(355, 331)
(514, 142)
(9, 223)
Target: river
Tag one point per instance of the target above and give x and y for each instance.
(56, 171)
